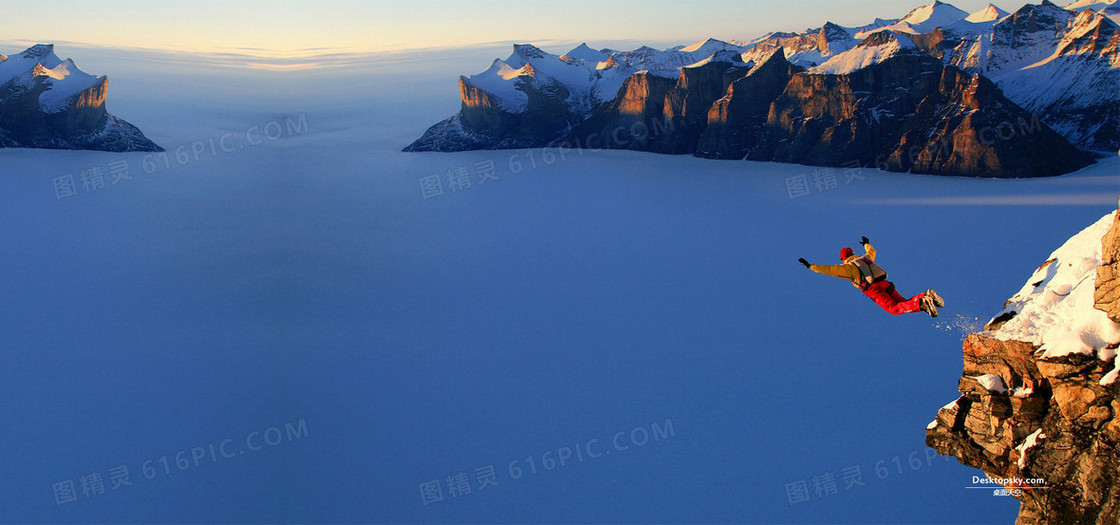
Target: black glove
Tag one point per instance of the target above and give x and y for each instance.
(865, 241)
(803, 262)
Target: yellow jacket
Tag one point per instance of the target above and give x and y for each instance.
(846, 270)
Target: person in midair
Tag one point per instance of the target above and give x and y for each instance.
(872, 280)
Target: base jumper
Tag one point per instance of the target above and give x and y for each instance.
(872, 280)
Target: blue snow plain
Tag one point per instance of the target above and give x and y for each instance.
(271, 324)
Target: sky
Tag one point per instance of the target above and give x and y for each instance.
(283, 26)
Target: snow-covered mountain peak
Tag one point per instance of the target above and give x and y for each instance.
(528, 51)
(874, 49)
(778, 56)
(499, 80)
(921, 20)
(51, 103)
(38, 51)
(58, 72)
(704, 44)
(610, 62)
(722, 55)
(1109, 8)
(806, 49)
(584, 52)
(888, 37)
(988, 14)
(1042, 12)
(501, 69)
(927, 17)
(704, 49)
(1095, 5)
(1092, 33)
(62, 79)
(67, 81)
(832, 31)
(879, 23)
(26, 61)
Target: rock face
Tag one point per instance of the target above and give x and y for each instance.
(735, 121)
(634, 120)
(1038, 409)
(906, 113)
(1107, 294)
(911, 113)
(687, 103)
(49, 103)
(653, 113)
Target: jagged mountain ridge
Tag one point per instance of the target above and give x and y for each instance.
(46, 102)
(1079, 107)
(1059, 63)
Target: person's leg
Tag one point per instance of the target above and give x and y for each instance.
(901, 298)
(887, 301)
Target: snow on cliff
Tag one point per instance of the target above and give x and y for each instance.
(1054, 309)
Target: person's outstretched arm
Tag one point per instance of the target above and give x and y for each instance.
(843, 271)
(867, 247)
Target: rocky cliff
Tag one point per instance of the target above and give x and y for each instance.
(910, 113)
(1039, 394)
(633, 120)
(735, 121)
(1106, 296)
(46, 102)
(654, 113)
(906, 113)
(534, 108)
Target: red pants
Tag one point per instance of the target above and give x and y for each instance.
(884, 295)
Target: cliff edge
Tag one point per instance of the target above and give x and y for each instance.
(1040, 398)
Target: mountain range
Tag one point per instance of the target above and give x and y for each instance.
(46, 102)
(1030, 93)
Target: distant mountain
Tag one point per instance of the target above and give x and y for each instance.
(46, 102)
(1061, 65)
(1109, 8)
(988, 14)
(928, 17)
